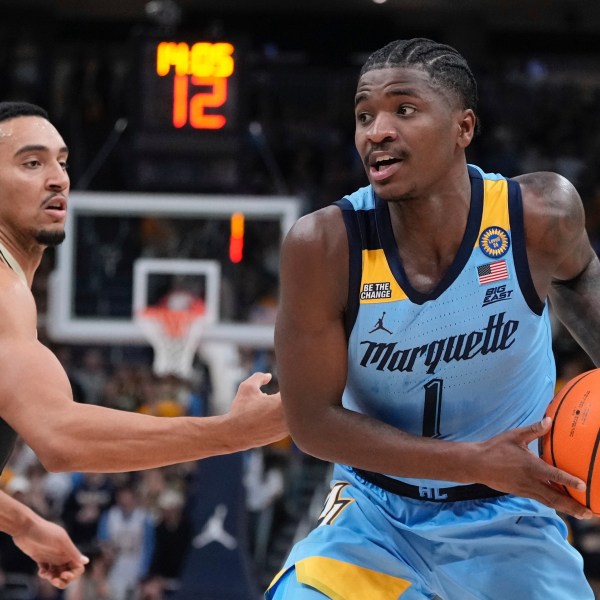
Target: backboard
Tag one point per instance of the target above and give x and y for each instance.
(94, 290)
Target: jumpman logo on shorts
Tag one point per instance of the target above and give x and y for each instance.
(379, 325)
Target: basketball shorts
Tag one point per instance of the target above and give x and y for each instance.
(371, 544)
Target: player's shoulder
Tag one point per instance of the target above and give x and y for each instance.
(553, 213)
(316, 242)
(16, 299)
(548, 186)
(317, 226)
(550, 195)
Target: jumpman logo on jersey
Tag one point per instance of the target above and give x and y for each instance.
(214, 531)
(379, 325)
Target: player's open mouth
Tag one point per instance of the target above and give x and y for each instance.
(383, 167)
(384, 161)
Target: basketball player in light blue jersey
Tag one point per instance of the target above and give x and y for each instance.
(414, 351)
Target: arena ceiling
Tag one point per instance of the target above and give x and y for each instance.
(547, 14)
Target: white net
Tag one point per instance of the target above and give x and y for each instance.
(175, 336)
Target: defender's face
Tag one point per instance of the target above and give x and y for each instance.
(408, 133)
(34, 184)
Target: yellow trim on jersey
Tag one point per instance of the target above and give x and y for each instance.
(495, 206)
(377, 283)
(277, 577)
(341, 580)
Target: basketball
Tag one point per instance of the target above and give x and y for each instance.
(572, 442)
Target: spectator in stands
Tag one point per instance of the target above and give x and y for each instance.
(173, 536)
(91, 495)
(264, 480)
(92, 375)
(126, 535)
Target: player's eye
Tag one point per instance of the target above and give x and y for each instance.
(405, 110)
(362, 117)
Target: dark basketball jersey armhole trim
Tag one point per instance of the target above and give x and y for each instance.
(517, 228)
(355, 246)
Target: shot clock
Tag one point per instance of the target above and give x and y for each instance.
(186, 121)
(188, 85)
(200, 74)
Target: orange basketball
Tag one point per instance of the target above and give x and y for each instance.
(572, 442)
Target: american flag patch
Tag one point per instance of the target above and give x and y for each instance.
(495, 271)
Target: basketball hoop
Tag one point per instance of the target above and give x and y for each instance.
(174, 328)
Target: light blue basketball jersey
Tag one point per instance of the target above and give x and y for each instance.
(466, 361)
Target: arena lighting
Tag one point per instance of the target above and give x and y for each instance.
(165, 13)
(379, 1)
(200, 80)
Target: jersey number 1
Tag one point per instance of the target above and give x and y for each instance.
(433, 408)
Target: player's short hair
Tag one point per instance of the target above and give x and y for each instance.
(445, 65)
(12, 109)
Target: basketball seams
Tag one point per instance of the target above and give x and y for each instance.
(588, 491)
(564, 393)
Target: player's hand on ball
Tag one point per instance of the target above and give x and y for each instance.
(511, 467)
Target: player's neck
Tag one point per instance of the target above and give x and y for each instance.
(23, 262)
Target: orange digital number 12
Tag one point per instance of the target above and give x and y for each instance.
(204, 64)
(194, 111)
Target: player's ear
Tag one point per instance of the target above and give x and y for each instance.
(465, 127)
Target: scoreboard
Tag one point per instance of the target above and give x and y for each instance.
(187, 122)
(200, 76)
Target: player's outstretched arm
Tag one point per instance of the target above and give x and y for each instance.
(36, 401)
(48, 544)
